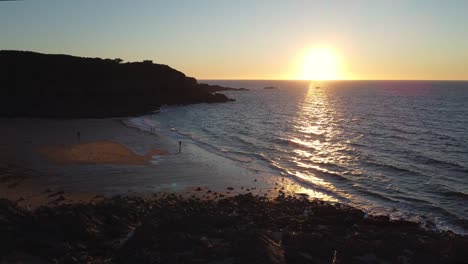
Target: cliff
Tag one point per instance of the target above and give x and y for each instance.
(43, 85)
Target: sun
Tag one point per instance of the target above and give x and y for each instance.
(320, 64)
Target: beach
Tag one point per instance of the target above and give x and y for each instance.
(102, 152)
(40, 156)
(118, 194)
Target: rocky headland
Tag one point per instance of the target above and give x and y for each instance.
(45, 85)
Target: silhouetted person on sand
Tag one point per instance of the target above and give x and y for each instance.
(180, 146)
(78, 135)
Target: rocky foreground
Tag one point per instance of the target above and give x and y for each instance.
(240, 229)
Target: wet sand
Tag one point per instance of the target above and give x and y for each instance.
(101, 152)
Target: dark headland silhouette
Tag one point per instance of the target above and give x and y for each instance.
(45, 85)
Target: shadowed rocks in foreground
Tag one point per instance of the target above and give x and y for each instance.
(240, 229)
(43, 85)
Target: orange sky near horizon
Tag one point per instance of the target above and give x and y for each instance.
(264, 39)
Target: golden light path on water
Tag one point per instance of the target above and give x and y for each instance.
(315, 145)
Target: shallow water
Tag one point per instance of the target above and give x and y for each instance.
(399, 148)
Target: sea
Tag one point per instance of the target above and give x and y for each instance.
(388, 147)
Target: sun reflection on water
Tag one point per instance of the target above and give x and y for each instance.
(316, 154)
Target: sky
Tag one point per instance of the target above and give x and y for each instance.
(261, 39)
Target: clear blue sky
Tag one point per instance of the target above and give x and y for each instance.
(261, 39)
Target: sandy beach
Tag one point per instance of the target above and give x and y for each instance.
(102, 152)
(41, 157)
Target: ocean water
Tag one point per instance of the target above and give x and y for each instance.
(392, 147)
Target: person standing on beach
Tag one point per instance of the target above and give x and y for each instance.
(180, 146)
(78, 135)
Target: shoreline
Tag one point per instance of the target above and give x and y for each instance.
(80, 170)
(177, 171)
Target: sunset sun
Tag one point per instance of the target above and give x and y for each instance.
(320, 64)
